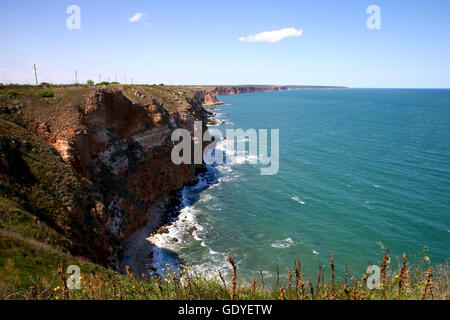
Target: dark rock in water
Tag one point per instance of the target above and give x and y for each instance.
(162, 230)
(192, 229)
(174, 240)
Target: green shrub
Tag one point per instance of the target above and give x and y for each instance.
(90, 83)
(46, 94)
(45, 84)
(12, 93)
(104, 83)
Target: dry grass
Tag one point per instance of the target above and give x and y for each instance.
(183, 284)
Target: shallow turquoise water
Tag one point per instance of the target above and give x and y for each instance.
(359, 169)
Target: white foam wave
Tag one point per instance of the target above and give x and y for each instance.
(297, 199)
(232, 157)
(211, 262)
(283, 244)
(188, 229)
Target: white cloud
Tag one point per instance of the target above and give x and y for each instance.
(273, 36)
(137, 16)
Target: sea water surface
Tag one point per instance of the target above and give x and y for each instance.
(360, 170)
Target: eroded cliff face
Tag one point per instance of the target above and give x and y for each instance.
(231, 90)
(123, 148)
(207, 97)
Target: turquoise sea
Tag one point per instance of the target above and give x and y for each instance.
(360, 170)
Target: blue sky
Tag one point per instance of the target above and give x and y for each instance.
(196, 42)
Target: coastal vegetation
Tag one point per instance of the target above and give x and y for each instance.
(41, 276)
(12, 93)
(46, 94)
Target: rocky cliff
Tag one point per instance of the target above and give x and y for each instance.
(115, 144)
(208, 95)
(231, 90)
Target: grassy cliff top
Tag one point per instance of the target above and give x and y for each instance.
(53, 100)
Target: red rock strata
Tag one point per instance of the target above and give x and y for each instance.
(124, 149)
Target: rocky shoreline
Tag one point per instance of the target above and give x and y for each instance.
(139, 249)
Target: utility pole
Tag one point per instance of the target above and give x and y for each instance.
(35, 74)
(131, 80)
(99, 78)
(115, 79)
(76, 77)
